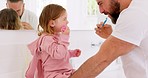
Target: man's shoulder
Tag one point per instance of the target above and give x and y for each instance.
(28, 11)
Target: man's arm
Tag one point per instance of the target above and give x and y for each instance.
(109, 51)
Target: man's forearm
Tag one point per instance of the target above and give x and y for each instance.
(91, 68)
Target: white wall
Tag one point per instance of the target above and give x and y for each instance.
(2, 4)
(74, 10)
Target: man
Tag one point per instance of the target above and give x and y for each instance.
(28, 18)
(128, 40)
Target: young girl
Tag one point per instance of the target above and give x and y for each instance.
(9, 20)
(50, 51)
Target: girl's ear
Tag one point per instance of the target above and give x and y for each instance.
(51, 23)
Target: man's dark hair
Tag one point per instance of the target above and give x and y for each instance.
(15, 0)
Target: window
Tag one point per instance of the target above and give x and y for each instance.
(92, 7)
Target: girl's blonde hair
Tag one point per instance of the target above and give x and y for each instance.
(50, 12)
(9, 20)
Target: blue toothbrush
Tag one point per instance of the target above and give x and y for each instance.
(104, 22)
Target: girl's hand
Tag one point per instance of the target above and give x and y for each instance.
(103, 31)
(65, 30)
(77, 52)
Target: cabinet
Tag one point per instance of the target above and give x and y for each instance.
(14, 54)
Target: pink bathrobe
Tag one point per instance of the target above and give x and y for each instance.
(50, 57)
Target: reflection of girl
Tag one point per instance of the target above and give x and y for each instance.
(50, 50)
(9, 20)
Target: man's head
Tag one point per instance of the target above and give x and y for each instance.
(17, 5)
(112, 8)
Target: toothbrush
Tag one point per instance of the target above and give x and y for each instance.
(104, 22)
(63, 28)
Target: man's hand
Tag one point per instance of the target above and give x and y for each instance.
(103, 31)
